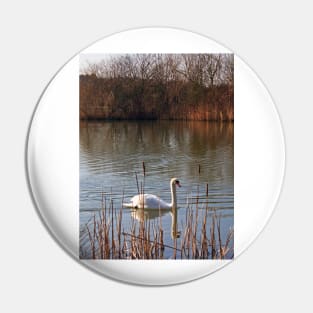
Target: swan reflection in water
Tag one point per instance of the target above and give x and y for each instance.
(153, 214)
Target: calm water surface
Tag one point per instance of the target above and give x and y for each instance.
(199, 154)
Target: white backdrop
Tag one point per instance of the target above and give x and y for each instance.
(273, 38)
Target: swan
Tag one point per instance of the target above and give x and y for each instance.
(148, 201)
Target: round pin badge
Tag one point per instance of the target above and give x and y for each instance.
(155, 156)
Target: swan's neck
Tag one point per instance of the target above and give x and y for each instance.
(174, 199)
(174, 211)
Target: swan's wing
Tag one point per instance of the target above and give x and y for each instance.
(135, 202)
(147, 201)
(154, 202)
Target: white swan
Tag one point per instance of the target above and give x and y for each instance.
(148, 201)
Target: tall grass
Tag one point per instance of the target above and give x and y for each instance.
(199, 237)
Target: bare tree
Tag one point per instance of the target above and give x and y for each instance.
(159, 86)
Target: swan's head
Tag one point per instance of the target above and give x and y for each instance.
(175, 182)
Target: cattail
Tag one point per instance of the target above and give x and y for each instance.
(143, 168)
(106, 236)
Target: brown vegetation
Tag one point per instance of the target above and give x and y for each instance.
(105, 238)
(159, 86)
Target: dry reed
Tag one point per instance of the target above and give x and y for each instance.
(200, 237)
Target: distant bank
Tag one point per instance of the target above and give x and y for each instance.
(122, 98)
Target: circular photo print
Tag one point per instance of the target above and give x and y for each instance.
(155, 156)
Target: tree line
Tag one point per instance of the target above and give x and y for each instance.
(158, 86)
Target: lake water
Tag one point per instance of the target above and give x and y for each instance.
(200, 154)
